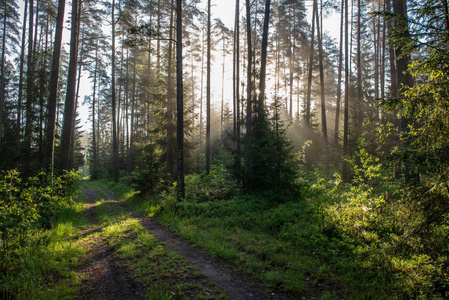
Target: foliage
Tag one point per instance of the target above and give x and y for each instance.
(268, 162)
(30, 204)
(370, 238)
(150, 171)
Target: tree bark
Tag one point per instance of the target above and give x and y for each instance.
(323, 102)
(209, 27)
(2, 73)
(30, 88)
(359, 69)
(263, 60)
(180, 104)
(249, 77)
(309, 78)
(345, 171)
(170, 98)
(69, 109)
(94, 136)
(53, 97)
(340, 69)
(405, 81)
(19, 98)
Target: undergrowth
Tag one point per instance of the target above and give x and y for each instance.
(373, 238)
(39, 221)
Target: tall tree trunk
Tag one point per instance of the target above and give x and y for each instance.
(69, 109)
(405, 81)
(19, 97)
(359, 69)
(236, 81)
(180, 104)
(209, 28)
(263, 60)
(323, 102)
(2, 74)
(237, 71)
(340, 69)
(222, 90)
(115, 149)
(249, 77)
(309, 78)
(202, 89)
(53, 97)
(133, 109)
(170, 98)
(30, 94)
(94, 136)
(345, 171)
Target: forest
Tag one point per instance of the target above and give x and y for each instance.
(304, 144)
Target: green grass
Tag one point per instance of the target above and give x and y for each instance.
(336, 241)
(43, 267)
(166, 274)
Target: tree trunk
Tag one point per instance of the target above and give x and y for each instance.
(180, 104)
(340, 67)
(115, 149)
(263, 61)
(19, 98)
(202, 89)
(94, 136)
(30, 89)
(208, 88)
(249, 77)
(131, 128)
(309, 78)
(345, 171)
(170, 98)
(69, 109)
(359, 70)
(53, 98)
(2, 74)
(222, 90)
(323, 102)
(405, 81)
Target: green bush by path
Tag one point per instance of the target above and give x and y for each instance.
(38, 219)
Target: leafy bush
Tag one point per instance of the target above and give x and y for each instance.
(35, 203)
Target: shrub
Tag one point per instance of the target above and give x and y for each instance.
(30, 204)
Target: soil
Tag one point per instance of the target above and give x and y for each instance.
(108, 278)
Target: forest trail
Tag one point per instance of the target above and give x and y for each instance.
(109, 276)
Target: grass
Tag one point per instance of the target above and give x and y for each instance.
(43, 267)
(336, 241)
(165, 274)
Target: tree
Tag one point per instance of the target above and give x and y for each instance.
(209, 28)
(310, 70)
(345, 171)
(180, 104)
(170, 98)
(30, 89)
(323, 103)
(263, 60)
(9, 19)
(249, 76)
(19, 97)
(340, 69)
(52, 101)
(115, 149)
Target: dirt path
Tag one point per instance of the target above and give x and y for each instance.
(109, 279)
